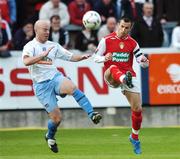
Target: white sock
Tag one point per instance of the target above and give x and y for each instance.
(136, 132)
(122, 78)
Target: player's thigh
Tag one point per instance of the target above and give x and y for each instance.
(134, 100)
(109, 79)
(55, 115)
(63, 85)
(45, 93)
(67, 87)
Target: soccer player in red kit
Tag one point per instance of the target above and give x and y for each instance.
(117, 51)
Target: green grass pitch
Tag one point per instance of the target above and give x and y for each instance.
(105, 143)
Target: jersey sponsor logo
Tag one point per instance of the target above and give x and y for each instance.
(121, 45)
(45, 61)
(44, 49)
(120, 56)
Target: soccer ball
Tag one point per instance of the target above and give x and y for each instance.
(91, 20)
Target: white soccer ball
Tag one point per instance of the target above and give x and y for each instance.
(91, 20)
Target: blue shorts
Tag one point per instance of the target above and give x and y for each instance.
(46, 91)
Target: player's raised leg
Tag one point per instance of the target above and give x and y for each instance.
(69, 88)
(120, 76)
(136, 116)
(110, 80)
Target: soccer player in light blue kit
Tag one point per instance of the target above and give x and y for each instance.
(39, 55)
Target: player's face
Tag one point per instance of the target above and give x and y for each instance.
(124, 28)
(43, 32)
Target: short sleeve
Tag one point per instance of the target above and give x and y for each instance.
(63, 53)
(28, 50)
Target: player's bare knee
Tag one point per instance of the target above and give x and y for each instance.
(57, 119)
(112, 66)
(137, 108)
(56, 116)
(71, 89)
(67, 87)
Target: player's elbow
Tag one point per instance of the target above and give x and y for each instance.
(26, 62)
(74, 59)
(95, 60)
(99, 59)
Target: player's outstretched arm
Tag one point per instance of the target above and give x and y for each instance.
(99, 56)
(32, 60)
(79, 57)
(100, 59)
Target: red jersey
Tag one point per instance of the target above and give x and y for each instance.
(123, 51)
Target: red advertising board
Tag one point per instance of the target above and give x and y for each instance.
(164, 79)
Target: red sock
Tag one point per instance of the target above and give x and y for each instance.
(116, 73)
(136, 123)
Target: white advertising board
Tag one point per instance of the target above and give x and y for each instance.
(16, 90)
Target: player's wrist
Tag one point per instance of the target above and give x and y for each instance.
(41, 56)
(144, 64)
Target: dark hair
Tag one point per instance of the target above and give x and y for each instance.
(54, 17)
(28, 21)
(126, 19)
